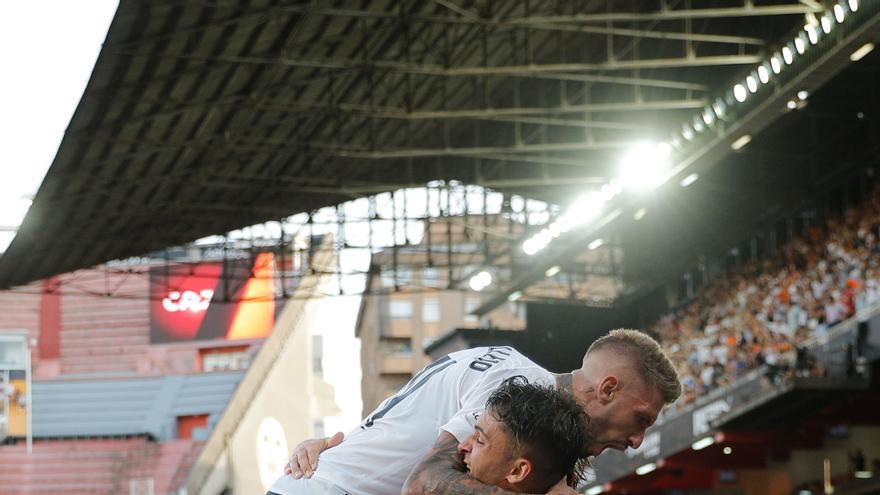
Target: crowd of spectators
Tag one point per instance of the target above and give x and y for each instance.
(763, 312)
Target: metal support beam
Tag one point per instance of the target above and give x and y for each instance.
(475, 151)
(747, 10)
(532, 70)
(493, 113)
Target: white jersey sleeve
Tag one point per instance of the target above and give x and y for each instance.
(488, 371)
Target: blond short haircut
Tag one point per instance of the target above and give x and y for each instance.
(645, 353)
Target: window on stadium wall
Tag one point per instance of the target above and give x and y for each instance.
(213, 300)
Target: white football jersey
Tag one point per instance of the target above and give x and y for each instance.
(448, 394)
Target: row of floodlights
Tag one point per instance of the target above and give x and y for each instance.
(814, 28)
(644, 167)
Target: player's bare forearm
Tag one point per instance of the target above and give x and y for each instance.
(442, 470)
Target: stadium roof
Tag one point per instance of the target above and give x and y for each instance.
(204, 117)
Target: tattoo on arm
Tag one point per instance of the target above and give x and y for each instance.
(442, 470)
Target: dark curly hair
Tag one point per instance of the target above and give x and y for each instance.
(547, 427)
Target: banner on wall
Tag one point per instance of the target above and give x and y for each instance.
(213, 300)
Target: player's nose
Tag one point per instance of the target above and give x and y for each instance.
(465, 445)
(636, 440)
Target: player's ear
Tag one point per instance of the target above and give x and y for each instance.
(607, 387)
(520, 469)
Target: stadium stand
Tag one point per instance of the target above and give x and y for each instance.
(769, 312)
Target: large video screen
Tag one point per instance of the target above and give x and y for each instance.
(212, 300)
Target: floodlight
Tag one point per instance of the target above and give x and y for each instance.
(854, 5)
(596, 244)
(530, 247)
(703, 443)
(742, 141)
(813, 33)
(643, 166)
(690, 179)
(646, 468)
(553, 270)
(799, 44)
(791, 105)
(763, 74)
(739, 92)
(481, 280)
(775, 63)
(720, 108)
(585, 208)
(861, 52)
(803, 94)
(752, 83)
(839, 13)
(787, 55)
(727, 450)
(826, 23)
(514, 296)
(640, 214)
(687, 132)
(708, 116)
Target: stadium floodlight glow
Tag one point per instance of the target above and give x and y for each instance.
(585, 208)
(787, 55)
(803, 94)
(607, 192)
(742, 141)
(863, 475)
(646, 468)
(763, 74)
(708, 116)
(690, 179)
(813, 33)
(643, 166)
(531, 246)
(752, 83)
(826, 22)
(595, 490)
(720, 108)
(775, 63)
(553, 270)
(727, 450)
(703, 443)
(596, 244)
(791, 105)
(861, 52)
(839, 13)
(481, 280)
(739, 92)
(799, 44)
(640, 214)
(854, 5)
(698, 124)
(811, 18)
(687, 132)
(514, 296)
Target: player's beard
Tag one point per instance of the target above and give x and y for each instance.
(596, 429)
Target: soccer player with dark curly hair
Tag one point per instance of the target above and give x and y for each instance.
(528, 438)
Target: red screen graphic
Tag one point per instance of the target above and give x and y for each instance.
(208, 301)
